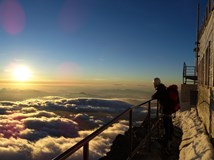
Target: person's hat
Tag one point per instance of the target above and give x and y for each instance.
(156, 81)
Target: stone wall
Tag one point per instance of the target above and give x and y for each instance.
(206, 43)
(205, 105)
(205, 108)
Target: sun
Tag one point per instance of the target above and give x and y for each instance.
(22, 73)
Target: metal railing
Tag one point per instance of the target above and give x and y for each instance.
(189, 74)
(85, 142)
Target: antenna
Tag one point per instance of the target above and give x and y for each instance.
(198, 20)
(197, 36)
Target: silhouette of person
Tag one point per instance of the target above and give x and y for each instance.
(162, 96)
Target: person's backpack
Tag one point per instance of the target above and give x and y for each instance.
(173, 98)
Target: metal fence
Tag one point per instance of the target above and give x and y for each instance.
(189, 74)
(85, 142)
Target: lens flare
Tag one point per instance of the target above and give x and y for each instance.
(12, 16)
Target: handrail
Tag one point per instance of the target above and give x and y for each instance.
(85, 142)
(189, 72)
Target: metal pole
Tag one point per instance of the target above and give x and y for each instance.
(149, 124)
(86, 151)
(197, 35)
(209, 6)
(157, 112)
(130, 133)
(197, 44)
(158, 117)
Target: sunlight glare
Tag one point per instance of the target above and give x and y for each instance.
(22, 73)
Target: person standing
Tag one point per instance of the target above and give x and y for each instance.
(162, 96)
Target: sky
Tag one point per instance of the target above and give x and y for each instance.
(108, 42)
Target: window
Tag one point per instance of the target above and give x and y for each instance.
(207, 66)
(202, 70)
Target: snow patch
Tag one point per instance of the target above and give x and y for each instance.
(195, 142)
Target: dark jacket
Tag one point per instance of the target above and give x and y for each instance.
(162, 96)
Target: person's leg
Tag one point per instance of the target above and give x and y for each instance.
(170, 134)
(166, 128)
(171, 128)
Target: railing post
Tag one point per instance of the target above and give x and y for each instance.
(86, 152)
(130, 133)
(157, 112)
(149, 124)
(158, 116)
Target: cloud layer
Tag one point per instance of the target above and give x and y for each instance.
(40, 129)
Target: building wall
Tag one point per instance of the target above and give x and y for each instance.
(205, 60)
(206, 75)
(204, 110)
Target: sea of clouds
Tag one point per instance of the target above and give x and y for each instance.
(40, 129)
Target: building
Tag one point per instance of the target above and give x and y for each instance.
(205, 68)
